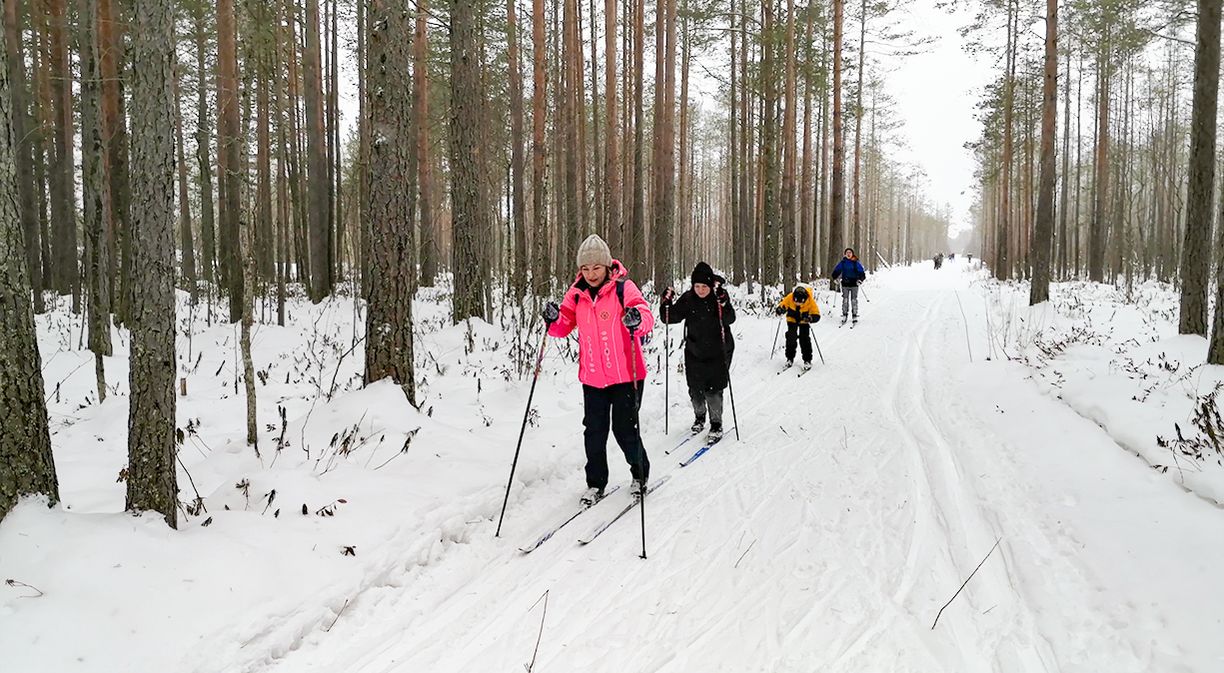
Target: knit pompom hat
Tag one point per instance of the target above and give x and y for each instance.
(594, 251)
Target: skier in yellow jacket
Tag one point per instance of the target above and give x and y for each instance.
(801, 311)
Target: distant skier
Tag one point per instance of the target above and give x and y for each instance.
(851, 272)
(801, 311)
(612, 316)
(938, 259)
(708, 344)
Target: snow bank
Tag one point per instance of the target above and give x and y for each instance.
(1114, 357)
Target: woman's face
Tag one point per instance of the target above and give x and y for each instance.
(849, 252)
(594, 274)
(701, 289)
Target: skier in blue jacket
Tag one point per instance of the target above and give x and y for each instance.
(851, 272)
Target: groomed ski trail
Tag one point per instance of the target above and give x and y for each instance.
(826, 538)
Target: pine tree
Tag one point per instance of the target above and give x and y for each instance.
(151, 472)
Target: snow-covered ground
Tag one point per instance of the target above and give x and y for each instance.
(855, 502)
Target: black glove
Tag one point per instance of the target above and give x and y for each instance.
(551, 312)
(669, 296)
(814, 318)
(721, 295)
(632, 318)
(781, 310)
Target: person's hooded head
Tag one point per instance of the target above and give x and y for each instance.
(800, 294)
(849, 254)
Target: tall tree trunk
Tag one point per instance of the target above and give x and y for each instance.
(1044, 233)
(44, 141)
(733, 154)
(391, 271)
(1196, 246)
(186, 239)
(1003, 262)
(684, 205)
(769, 145)
(95, 192)
(838, 185)
(24, 134)
(468, 219)
(519, 207)
(569, 130)
(420, 104)
(637, 233)
(318, 211)
(612, 168)
(1063, 241)
(1098, 232)
(539, 208)
(807, 264)
(856, 216)
(151, 476)
(664, 239)
(208, 244)
(62, 188)
(790, 272)
(27, 465)
(336, 203)
(821, 214)
(114, 124)
(228, 141)
(262, 250)
(747, 238)
(283, 210)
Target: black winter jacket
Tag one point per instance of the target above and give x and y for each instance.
(704, 363)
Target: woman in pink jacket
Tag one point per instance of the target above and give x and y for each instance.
(611, 316)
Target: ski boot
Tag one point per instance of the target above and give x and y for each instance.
(591, 496)
(637, 488)
(716, 432)
(697, 426)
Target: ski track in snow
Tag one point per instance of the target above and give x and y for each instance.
(855, 502)
(851, 547)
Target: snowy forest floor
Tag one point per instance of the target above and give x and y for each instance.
(856, 501)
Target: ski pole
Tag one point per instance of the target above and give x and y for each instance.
(637, 426)
(666, 366)
(534, 378)
(817, 342)
(775, 345)
(722, 334)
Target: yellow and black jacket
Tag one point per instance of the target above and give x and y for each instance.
(808, 312)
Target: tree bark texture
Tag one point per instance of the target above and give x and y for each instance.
(390, 271)
(26, 463)
(152, 479)
(468, 219)
(1196, 246)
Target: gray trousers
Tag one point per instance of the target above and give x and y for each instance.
(707, 399)
(849, 297)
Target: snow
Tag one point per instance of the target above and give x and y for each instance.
(855, 502)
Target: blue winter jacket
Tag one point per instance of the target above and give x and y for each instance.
(851, 272)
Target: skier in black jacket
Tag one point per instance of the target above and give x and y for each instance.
(708, 344)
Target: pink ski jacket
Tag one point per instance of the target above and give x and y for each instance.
(603, 341)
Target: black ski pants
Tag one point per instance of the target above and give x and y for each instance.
(801, 334)
(616, 408)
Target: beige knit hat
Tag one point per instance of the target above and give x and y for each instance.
(594, 251)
